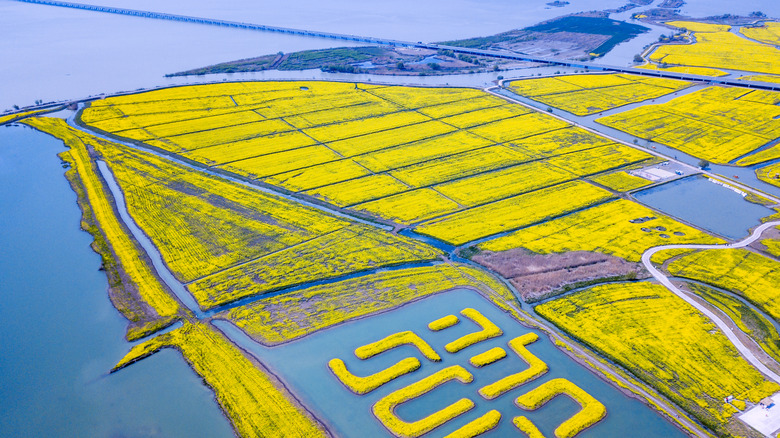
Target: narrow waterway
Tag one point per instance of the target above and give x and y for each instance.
(61, 335)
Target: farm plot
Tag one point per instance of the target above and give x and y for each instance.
(217, 224)
(702, 71)
(753, 276)
(664, 341)
(716, 47)
(118, 249)
(515, 212)
(281, 318)
(253, 400)
(769, 174)
(768, 33)
(621, 228)
(717, 124)
(621, 181)
(348, 250)
(589, 94)
(408, 161)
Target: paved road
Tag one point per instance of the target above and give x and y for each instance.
(744, 350)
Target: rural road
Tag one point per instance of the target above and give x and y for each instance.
(744, 350)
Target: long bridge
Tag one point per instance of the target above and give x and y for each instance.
(397, 43)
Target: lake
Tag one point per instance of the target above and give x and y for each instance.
(61, 335)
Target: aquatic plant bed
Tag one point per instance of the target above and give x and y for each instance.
(438, 397)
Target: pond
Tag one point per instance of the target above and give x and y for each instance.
(706, 204)
(61, 335)
(301, 364)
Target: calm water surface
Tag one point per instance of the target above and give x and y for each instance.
(302, 365)
(705, 204)
(60, 333)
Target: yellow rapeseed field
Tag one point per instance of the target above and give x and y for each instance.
(536, 368)
(202, 224)
(423, 150)
(410, 207)
(478, 426)
(592, 411)
(128, 254)
(716, 47)
(769, 174)
(695, 26)
(20, 115)
(606, 228)
(254, 401)
(340, 252)
(768, 33)
(514, 212)
(621, 181)
(666, 342)
(717, 124)
(384, 408)
(459, 166)
(289, 316)
(748, 274)
(750, 321)
(365, 147)
(488, 330)
(593, 93)
(364, 385)
(359, 190)
(702, 71)
(462, 106)
(762, 78)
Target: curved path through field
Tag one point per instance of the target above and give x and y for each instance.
(663, 279)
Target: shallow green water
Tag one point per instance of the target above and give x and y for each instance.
(60, 335)
(302, 366)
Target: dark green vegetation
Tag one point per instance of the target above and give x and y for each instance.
(338, 59)
(579, 36)
(617, 30)
(561, 29)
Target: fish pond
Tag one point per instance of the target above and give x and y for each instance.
(707, 204)
(302, 366)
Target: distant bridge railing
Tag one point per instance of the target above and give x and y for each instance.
(390, 42)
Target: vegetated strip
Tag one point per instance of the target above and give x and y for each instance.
(256, 403)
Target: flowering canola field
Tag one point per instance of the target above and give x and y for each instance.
(664, 341)
(621, 228)
(748, 274)
(716, 47)
(717, 124)
(592, 93)
(401, 154)
(456, 164)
